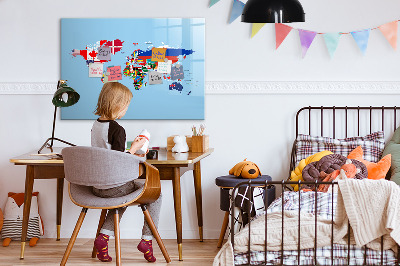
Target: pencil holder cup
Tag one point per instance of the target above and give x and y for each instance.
(200, 143)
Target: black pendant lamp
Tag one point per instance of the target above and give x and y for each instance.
(273, 11)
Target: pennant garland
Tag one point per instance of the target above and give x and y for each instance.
(361, 37)
(237, 9)
(306, 39)
(213, 2)
(332, 41)
(389, 30)
(281, 31)
(256, 28)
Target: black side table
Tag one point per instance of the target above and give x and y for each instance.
(226, 183)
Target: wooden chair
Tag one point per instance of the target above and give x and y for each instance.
(85, 167)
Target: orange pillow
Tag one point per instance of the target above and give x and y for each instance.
(375, 170)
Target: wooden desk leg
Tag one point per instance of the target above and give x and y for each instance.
(27, 206)
(199, 204)
(60, 190)
(176, 183)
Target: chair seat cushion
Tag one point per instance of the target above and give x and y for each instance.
(83, 195)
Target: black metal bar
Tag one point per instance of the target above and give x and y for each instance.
(249, 220)
(365, 255)
(398, 255)
(309, 120)
(266, 221)
(358, 121)
(333, 189)
(233, 218)
(334, 121)
(283, 210)
(322, 121)
(315, 223)
(348, 242)
(370, 119)
(346, 120)
(298, 226)
(381, 250)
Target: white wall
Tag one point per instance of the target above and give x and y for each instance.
(259, 127)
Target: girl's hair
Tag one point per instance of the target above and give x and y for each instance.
(113, 98)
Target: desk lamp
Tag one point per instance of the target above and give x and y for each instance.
(273, 11)
(64, 96)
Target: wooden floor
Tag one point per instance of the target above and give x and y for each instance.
(50, 252)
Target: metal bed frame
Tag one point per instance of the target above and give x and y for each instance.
(283, 184)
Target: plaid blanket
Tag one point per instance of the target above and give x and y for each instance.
(323, 205)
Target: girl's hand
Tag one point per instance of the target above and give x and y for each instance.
(143, 155)
(137, 144)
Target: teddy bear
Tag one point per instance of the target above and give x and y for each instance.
(245, 169)
(180, 144)
(13, 215)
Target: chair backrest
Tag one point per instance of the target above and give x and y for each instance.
(92, 166)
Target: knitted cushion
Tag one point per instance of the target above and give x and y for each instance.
(328, 164)
(372, 144)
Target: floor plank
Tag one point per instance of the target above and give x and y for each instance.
(50, 252)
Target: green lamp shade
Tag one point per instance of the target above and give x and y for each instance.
(65, 96)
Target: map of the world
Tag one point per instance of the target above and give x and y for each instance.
(160, 60)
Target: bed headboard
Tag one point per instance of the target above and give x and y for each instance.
(344, 121)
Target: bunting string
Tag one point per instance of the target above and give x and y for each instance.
(361, 37)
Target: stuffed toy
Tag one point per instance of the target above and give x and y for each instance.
(348, 170)
(296, 174)
(328, 164)
(13, 215)
(375, 170)
(180, 144)
(245, 169)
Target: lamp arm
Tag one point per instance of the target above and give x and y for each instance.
(54, 126)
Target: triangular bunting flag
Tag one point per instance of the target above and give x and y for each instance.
(332, 41)
(255, 28)
(361, 37)
(306, 39)
(213, 2)
(389, 30)
(237, 9)
(281, 31)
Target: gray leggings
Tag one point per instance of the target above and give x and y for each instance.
(154, 208)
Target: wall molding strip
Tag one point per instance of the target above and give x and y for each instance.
(243, 87)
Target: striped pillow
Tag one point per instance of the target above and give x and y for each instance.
(13, 228)
(372, 145)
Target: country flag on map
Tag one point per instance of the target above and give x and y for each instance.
(116, 45)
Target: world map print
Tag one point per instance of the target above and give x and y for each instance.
(140, 64)
(161, 61)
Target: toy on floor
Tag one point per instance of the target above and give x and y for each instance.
(245, 169)
(13, 215)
